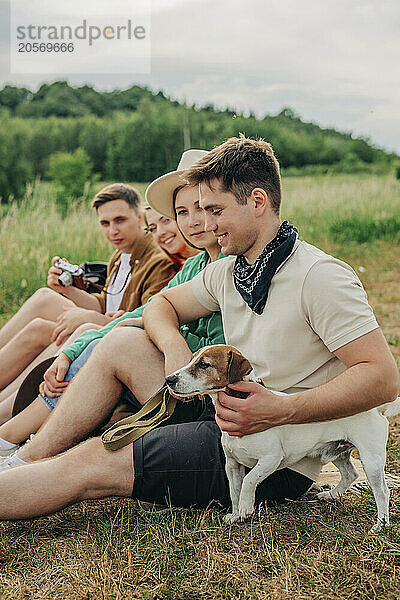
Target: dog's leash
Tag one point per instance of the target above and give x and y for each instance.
(133, 427)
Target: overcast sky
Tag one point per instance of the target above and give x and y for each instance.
(335, 62)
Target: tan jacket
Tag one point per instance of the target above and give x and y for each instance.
(151, 270)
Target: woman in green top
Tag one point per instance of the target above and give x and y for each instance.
(205, 331)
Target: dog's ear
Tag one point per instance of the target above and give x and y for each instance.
(238, 366)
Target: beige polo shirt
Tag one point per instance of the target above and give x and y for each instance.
(315, 305)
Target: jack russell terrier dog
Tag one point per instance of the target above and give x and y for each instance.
(213, 368)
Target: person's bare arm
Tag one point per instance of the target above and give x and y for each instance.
(162, 318)
(132, 322)
(53, 384)
(83, 299)
(371, 379)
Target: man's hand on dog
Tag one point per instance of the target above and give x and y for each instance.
(261, 409)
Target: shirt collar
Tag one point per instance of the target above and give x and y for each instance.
(142, 247)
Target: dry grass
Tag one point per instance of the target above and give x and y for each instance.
(110, 549)
(301, 550)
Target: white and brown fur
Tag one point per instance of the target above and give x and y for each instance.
(213, 368)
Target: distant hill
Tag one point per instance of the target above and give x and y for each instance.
(59, 99)
(137, 134)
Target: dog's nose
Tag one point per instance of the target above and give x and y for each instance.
(171, 380)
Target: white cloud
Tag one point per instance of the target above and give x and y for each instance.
(333, 61)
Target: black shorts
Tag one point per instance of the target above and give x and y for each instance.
(182, 463)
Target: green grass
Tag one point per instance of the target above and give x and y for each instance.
(32, 231)
(297, 551)
(316, 204)
(364, 229)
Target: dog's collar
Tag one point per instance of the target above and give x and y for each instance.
(239, 394)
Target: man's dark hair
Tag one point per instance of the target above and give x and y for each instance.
(241, 164)
(118, 191)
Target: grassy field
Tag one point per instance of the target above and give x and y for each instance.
(299, 550)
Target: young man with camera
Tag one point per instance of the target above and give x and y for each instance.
(137, 270)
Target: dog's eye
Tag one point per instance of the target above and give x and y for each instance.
(203, 365)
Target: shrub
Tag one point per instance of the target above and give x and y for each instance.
(72, 174)
(70, 170)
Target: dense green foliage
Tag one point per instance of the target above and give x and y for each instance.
(70, 170)
(72, 175)
(136, 135)
(15, 165)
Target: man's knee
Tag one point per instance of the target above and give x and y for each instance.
(42, 297)
(107, 473)
(125, 348)
(36, 335)
(47, 303)
(125, 335)
(39, 329)
(121, 342)
(82, 328)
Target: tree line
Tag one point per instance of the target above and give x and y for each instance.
(136, 135)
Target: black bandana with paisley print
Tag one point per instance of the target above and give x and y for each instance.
(253, 281)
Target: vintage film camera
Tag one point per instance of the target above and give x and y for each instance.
(89, 276)
(71, 275)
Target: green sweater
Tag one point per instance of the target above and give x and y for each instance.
(203, 332)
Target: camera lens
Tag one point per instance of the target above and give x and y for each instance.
(65, 279)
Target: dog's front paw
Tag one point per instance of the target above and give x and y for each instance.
(231, 518)
(378, 527)
(245, 510)
(326, 496)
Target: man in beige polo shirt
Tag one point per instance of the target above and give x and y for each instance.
(300, 316)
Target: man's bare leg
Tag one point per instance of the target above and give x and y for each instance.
(51, 350)
(23, 348)
(19, 428)
(6, 407)
(44, 303)
(87, 471)
(124, 355)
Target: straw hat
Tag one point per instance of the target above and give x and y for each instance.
(29, 388)
(159, 194)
